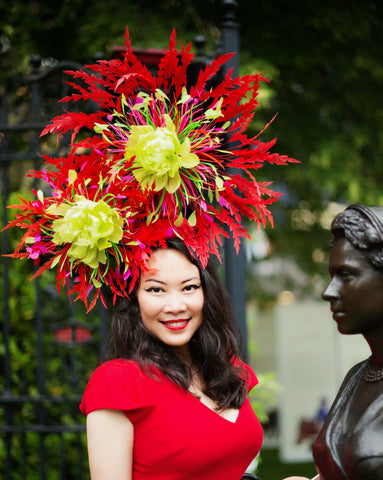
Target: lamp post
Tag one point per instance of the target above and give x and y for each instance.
(235, 264)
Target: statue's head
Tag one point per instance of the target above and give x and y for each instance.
(355, 289)
(362, 226)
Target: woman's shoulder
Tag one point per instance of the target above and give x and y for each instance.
(351, 379)
(354, 370)
(357, 366)
(125, 369)
(120, 384)
(116, 365)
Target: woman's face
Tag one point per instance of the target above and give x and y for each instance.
(170, 298)
(355, 291)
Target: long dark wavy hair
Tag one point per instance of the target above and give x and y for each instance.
(213, 347)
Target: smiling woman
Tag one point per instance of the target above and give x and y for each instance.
(173, 375)
(162, 172)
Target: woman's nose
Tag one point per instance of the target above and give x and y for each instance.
(175, 303)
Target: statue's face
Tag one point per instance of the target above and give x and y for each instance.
(355, 291)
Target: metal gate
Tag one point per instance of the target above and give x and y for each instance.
(49, 346)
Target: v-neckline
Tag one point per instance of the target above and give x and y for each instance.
(214, 412)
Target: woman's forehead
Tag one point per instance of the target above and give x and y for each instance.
(170, 263)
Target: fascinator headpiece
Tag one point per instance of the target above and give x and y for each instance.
(159, 158)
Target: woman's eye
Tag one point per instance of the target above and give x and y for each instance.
(154, 289)
(190, 288)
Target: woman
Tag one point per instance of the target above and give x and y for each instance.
(350, 444)
(158, 159)
(172, 401)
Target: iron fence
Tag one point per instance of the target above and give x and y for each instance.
(49, 346)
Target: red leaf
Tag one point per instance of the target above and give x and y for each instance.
(71, 121)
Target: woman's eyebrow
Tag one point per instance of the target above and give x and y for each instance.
(163, 283)
(191, 279)
(152, 280)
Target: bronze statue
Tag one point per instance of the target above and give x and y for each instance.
(350, 444)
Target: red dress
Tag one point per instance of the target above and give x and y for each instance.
(176, 437)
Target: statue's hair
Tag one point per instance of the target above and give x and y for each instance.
(213, 347)
(361, 233)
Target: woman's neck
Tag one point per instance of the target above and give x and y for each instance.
(375, 341)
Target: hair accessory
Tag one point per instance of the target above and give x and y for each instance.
(155, 160)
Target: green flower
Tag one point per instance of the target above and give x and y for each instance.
(159, 155)
(91, 227)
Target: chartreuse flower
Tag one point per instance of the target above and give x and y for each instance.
(159, 155)
(91, 227)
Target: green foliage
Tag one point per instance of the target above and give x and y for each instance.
(47, 376)
(264, 396)
(271, 467)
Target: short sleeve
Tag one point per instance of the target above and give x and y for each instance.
(252, 379)
(118, 385)
(247, 373)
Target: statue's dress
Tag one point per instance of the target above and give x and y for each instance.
(350, 444)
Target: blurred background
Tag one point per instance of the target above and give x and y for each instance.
(324, 63)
